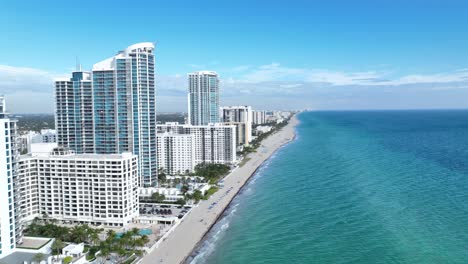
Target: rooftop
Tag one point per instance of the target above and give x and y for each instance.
(108, 64)
(204, 73)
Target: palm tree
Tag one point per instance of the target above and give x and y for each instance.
(103, 255)
(111, 235)
(94, 237)
(135, 231)
(121, 256)
(145, 240)
(78, 234)
(57, 246)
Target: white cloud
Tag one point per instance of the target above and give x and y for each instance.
(275, 72)
(270, 86)
(22, 78)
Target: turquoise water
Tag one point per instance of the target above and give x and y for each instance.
(355, 187)
(141, 232)
(145, 232)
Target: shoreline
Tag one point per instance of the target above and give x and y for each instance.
(194, 252)
(191, 232)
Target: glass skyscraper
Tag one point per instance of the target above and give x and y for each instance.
(203, 98)
(112, 109)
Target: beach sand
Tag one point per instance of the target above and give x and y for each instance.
(184, 239)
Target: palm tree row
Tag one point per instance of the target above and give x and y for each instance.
(77, 234)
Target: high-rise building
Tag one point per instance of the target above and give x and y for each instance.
(203, 98)
(112, 109)
(214, 143)
(241, 117)
(97, 189)
(259, 117)
(10, 225)
(176, 153)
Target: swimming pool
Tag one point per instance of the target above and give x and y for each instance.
(141, 232)
(145, 232)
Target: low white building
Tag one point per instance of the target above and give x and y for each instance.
(262, 129)
(32, 137)
(176, 152)
(170, 194)
(80, 188)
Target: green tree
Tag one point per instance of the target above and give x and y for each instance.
(67, 260)
(158, 198)
(181, 201)
(38, 257)
(121, 255)
(103, 255)
(162, 176)
(94, 237)
(145, 240)
(185, 188)
(57, 247)
(135, 231)
(111, 235)
(197, 196)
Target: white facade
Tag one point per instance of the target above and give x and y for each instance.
(214, 143)
(32, 137)
(241, 117)
(46, 136)
(259, 117)
(262, 129)
(10, 226)
(176, 152)
(80, 188)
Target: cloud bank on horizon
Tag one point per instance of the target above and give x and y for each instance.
(270, 86)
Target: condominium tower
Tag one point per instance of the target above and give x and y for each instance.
(203, 98)
(259, 117)
(213, 143)
(241, 117)
(112, 109)
(10, 224)
(176, 153)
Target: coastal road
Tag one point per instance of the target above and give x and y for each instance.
(183, 240)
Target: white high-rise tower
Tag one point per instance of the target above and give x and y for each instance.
(10, 226)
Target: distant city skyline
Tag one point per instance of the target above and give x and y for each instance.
(306, 54)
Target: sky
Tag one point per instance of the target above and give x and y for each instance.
(324, 55)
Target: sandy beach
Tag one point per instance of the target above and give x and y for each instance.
(183, 240)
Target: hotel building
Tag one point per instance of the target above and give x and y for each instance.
(97, 189)
(112, 109)
(203, 98)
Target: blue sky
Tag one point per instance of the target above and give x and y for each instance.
(380, 54)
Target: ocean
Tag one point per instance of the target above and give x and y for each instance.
(354, 187)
